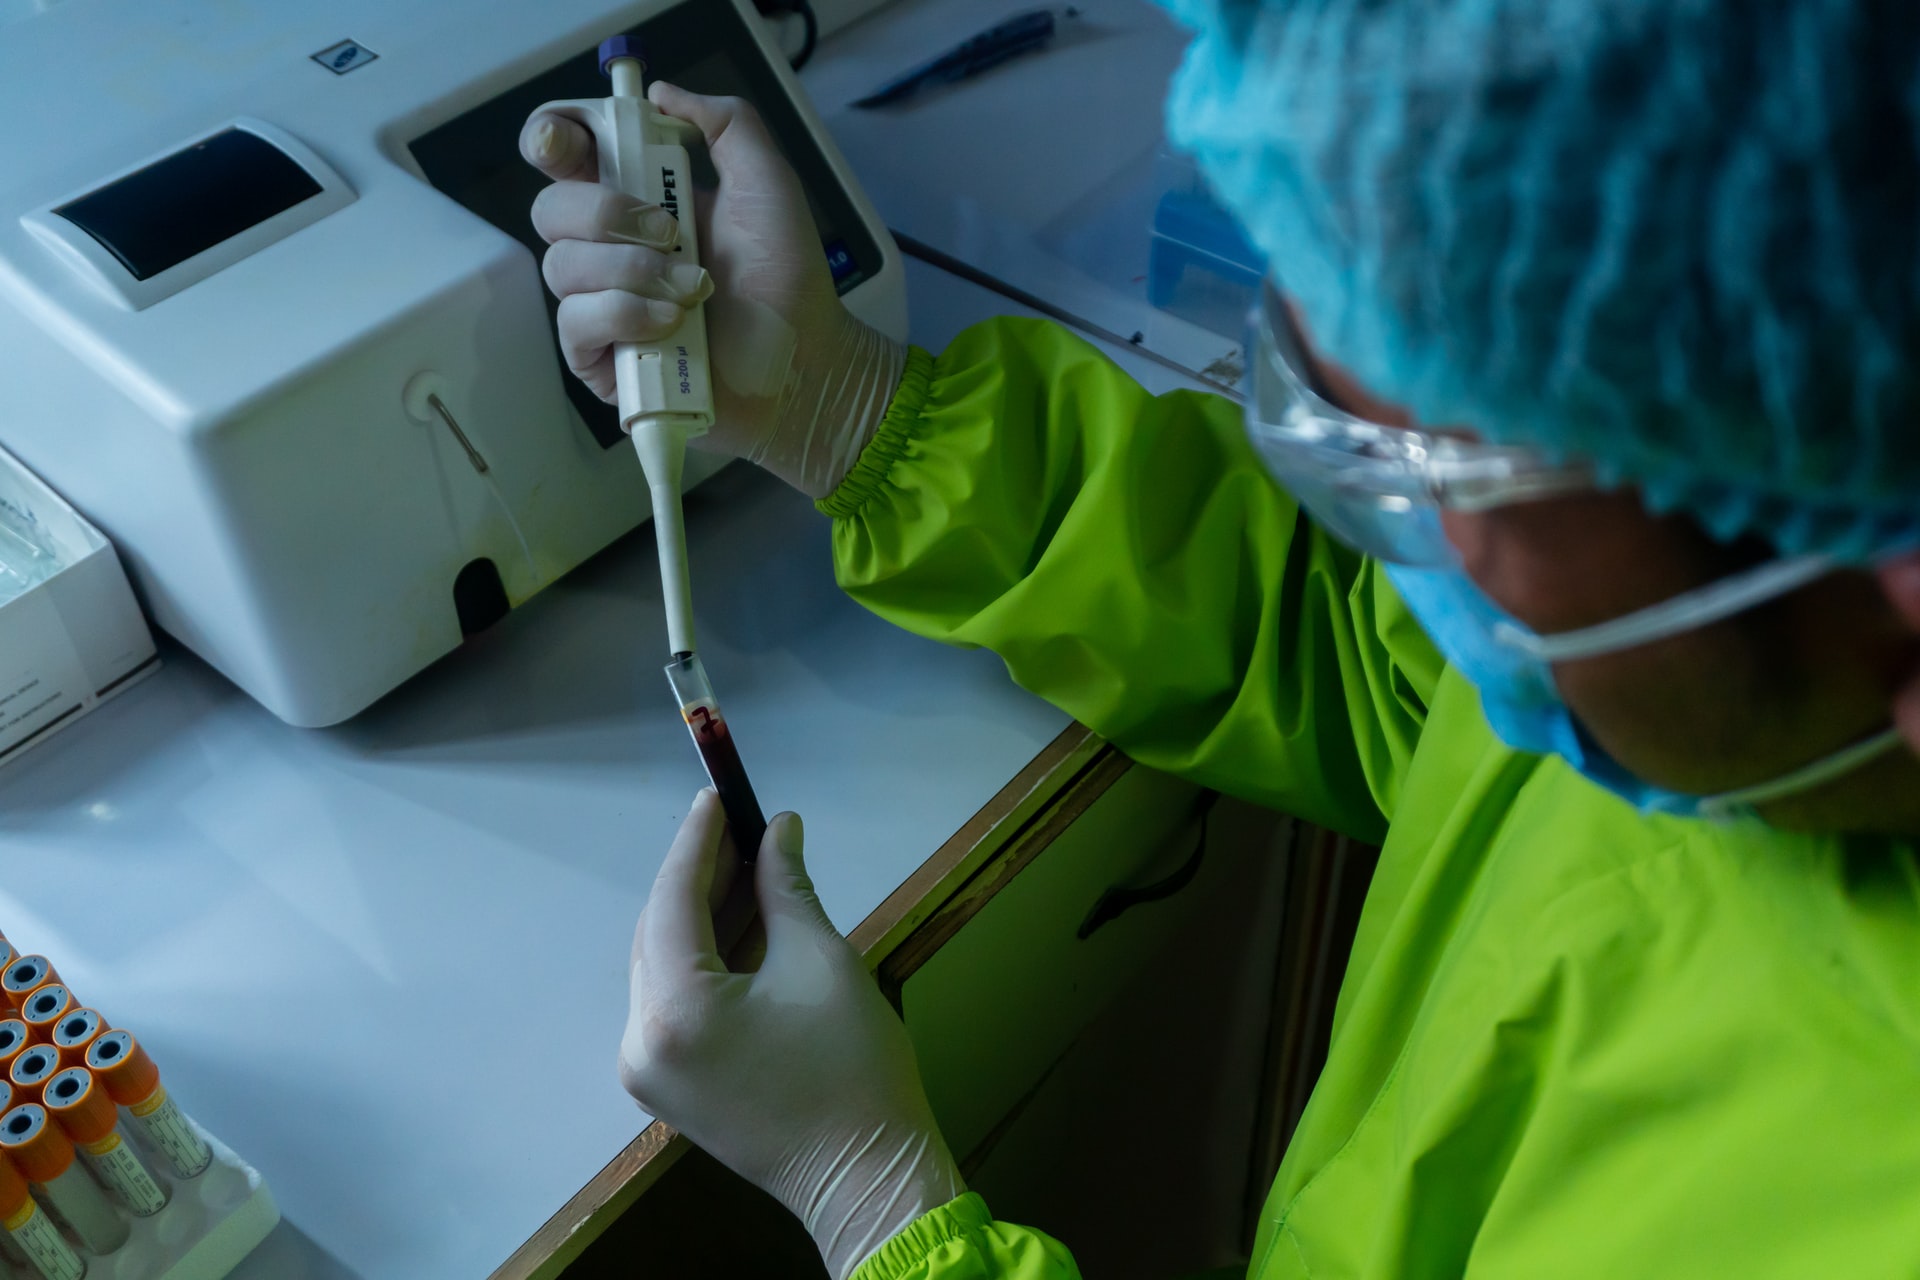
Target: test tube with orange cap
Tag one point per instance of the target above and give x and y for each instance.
(23, 974)
(13, 1042)
(44, 1006)
(33, 1230)
(73, 1033)
(31, 1071)
(43, 1152)
(128, 1075)
(81, 1107)
(7, 956)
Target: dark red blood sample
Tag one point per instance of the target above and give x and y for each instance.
(729, 778)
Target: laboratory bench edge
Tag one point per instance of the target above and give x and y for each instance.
(1003, 952)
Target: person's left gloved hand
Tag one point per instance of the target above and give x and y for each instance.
(799, 1077)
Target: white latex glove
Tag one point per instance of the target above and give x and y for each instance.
(800, 384)
(799, 1077)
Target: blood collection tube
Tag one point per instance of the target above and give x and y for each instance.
(7, 956)
(81, 1107)
(13, 1042)
(701, 710)
(45, 1154)
(74, 1033)
(23, 974)
(33, 1231)
(31, 1071)
(128, 1075)
(44, 1006)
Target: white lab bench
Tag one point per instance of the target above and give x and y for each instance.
(387, 962)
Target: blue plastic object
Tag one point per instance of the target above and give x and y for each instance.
(1200, 265)
(621, 47)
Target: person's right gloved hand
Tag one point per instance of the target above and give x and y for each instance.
(800, 384)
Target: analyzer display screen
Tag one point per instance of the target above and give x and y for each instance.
(194, 199)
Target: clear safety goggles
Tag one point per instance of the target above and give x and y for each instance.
(1380, 489)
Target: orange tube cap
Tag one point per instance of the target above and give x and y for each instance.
(45, 1005)
(14, 1039)
(80, 1105)
(40, 1148)
(24, 974)
(123, 1068)
(31, 1071)
(74, 1033)
(13, 1188)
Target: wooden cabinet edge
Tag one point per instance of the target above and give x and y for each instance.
(945, 891)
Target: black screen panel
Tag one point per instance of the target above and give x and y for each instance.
(191, 201)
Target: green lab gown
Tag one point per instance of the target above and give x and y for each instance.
(1572, 1041)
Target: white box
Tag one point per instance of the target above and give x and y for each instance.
(72, 640)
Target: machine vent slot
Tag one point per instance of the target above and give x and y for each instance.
(479, 597)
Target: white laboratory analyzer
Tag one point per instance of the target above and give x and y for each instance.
(271, 313)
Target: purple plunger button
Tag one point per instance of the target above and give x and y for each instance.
(620, 47)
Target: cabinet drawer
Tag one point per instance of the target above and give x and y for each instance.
(1036, 956)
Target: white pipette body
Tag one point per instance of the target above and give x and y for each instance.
(665, 387)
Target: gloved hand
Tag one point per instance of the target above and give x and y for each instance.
(798, 1077)
(800, 384)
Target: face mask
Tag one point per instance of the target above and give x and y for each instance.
(1511, 667)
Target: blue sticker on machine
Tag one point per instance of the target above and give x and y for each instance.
(840, 260)
(348, 55)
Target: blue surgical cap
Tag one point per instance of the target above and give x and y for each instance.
(1679, 239)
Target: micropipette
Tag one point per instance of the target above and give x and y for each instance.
(664, 388)
(665, 394)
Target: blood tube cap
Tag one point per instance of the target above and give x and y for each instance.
(24, 974)
(39, 1147)
(621, 47)
(123, 1068)
(45, 1005)
(80, 1105)
(74, 1032)
(31, 1071)
(13, 1188)
(14, 1039)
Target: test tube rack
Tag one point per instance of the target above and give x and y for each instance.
(209, 1225)
(211, 1220)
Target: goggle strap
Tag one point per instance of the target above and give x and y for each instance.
(1721, 599)
(1729, 804)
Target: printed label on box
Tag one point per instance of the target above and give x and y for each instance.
(47, 685)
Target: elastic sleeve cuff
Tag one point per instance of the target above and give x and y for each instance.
(908, 1250)
(888, 443)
